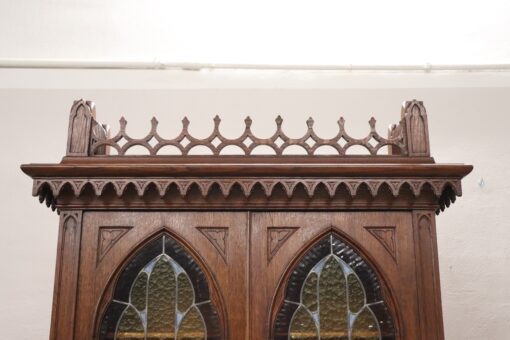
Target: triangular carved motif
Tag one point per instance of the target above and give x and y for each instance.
(276, 237)
(387, 237)
(218, 236)
(108, 236)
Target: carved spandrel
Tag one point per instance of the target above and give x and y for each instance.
(108, 236)
(387, 237)
(276, 237)
(218, 236)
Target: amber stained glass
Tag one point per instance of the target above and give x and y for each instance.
(309, 293)
(356, 293)
(138, 294)
(161, 311)
(333, 303)
(303, 326)
(365, 326)
(130, 325)
(161, 301)
(192, 326)
(185, 296)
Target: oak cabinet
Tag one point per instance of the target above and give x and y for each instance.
(247, 247)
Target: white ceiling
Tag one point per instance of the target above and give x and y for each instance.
(258, 32)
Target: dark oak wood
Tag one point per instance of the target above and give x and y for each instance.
(142, 168)
(66, 275)
(417, 130)
(429, 298)
(247, 219)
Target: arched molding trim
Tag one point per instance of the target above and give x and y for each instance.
(444, 190)
(212, 293)
(386, 290)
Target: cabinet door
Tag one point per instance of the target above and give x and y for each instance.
(162, 275)
(333, 276)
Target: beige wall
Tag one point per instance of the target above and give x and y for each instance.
(468, 119)
(265, 31)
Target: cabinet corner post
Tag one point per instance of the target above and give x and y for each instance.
(427, 272)
(66, 275)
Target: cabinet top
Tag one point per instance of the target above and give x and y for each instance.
(96, 158)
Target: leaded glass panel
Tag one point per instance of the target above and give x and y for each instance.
(333, 294)
(166, 297)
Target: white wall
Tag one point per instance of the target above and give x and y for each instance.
(468, 119)
(263, 31)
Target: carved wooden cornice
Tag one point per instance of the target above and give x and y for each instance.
(161, 185)
(88, 167)
(444, 189)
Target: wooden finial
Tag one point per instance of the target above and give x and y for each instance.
(80, 128)
(414, 117)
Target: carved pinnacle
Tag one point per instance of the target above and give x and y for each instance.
(123, 123)
(279, 121)
(248, 121)
(185, 122)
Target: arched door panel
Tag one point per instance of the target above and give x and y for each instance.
(333, 293)
(341, 261)
(162, 275)
(162, 293)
